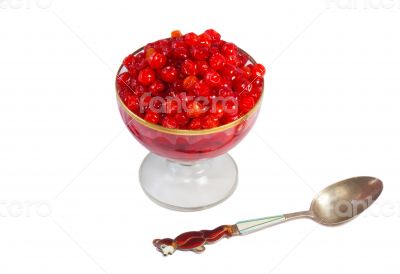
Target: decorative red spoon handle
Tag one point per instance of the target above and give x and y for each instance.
(194, 240)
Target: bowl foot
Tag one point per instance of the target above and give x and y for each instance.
(188, 186)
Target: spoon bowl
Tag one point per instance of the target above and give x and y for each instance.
(344, 200)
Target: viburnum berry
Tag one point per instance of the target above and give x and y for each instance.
(123, 81)
(217, 61)
(189, 67)
(169, 74)
(212, 78)
(215, 36)
(229, 49)
(194, 109)
(156, 88)
(169, 122)
(190, 82)
(191, 39)
(181, 119)
(152, 117)
(246, 103)
(258, 70)
(209, 121)
(157, 60)
(195, 123)
(200, 52)
(146, 76)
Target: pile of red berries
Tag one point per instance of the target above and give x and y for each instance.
(190, 81)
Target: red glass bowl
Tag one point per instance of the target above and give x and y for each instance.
(188, 145)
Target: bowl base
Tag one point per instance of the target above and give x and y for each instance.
(188, 186)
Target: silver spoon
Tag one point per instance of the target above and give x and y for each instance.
(334, 205)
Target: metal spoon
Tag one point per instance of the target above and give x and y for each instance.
(334, 205)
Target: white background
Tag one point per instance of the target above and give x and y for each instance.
(70, 201)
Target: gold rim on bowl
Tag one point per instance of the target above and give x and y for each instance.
(188, 131)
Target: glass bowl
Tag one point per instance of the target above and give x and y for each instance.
(188, 170)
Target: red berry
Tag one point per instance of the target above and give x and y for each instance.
(215, 36)
(180, 53)
(199, 52)
(247, 72)
(229, 49)
(217, 110)
(123, 81)
(157, 60)
(258, 70)
(171, 106)
(194, 109)
(212, 78)
(146, 76)
(169, 74)
(189, 67)
(181, 119)
(225, 92)
(201, 89)
(246, 103)
(217, 61)
(169, 122)
(129, 62)
(202, 67)
(242, 86)
(229, 71)
(195, 123)
(156, 88)
(152, 117)
(132, 103)
(190, 82)
(205, 39)
(209, 121)
(231, 107)
(191, 39)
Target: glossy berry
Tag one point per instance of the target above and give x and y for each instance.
(146, 76)
(169, 122)
(229, 49)
(205, 39)
(157, 60)
(218, 110)
(152, 117)
(181, 119)
(156, 88)
(194, 109)
(199, 52)
(169, 74)
(123, 81)
(191, 39)
(212, 78)
(132, 103)
(190, 82)
(246, 103)
(258, 70)
(209, 121)
(195, 124)
(215, 36)
(171, 106)
(217, 61)
(189, 67)
(201, 89)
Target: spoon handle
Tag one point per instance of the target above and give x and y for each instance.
(195, 240)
